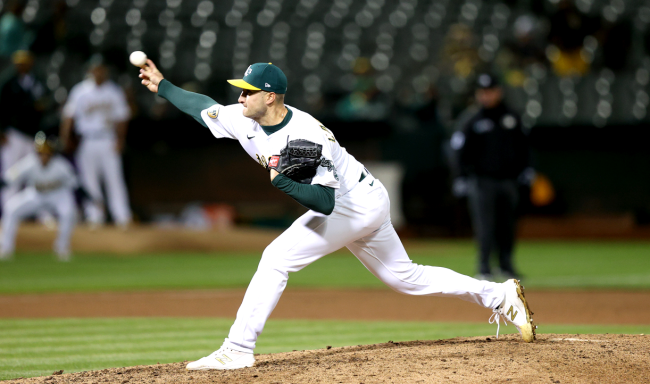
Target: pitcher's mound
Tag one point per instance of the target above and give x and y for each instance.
(551, 359)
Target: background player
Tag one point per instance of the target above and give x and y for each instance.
(348, 208)
(50, 183)
(21, 110)
(99, 113)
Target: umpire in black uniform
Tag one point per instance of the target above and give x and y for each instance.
(493, 157)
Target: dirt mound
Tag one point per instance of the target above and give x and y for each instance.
(552, 359)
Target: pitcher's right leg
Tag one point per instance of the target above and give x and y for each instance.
(384, 255)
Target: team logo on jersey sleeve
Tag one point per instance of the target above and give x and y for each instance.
(213, 112)
(330, 167)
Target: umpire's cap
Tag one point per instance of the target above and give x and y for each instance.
(486, 81)
(262, 76)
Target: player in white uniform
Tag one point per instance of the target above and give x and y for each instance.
(99, 113)
(50, 183)
(21, 109)
(349, 208)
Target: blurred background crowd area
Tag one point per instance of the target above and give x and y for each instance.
(391, 78)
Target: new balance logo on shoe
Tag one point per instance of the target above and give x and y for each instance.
(515, 302)
(512, 313)
(224, 357)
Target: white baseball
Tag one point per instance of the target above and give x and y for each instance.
(138, 58)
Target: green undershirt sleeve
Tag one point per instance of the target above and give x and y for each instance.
(188, 102)
(313, 196)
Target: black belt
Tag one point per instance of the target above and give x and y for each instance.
(364, 173)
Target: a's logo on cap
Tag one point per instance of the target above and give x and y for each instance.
(249, 70)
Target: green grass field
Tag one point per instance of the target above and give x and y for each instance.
(31, 347)
(545, 265)
(40, 347)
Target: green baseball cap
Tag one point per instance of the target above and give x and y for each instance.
(262, 76)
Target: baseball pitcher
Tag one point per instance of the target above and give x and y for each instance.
(348, 207)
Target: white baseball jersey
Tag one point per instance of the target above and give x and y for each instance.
(96, 108)
(339, 169)
(57, 174)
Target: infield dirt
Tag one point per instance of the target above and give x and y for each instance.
(552, 359)
(550, 307)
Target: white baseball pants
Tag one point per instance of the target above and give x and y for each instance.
(98, 163)
(361, 222)
(17, 146)
(30, 202)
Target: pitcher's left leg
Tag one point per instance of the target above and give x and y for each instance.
(309, 238)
